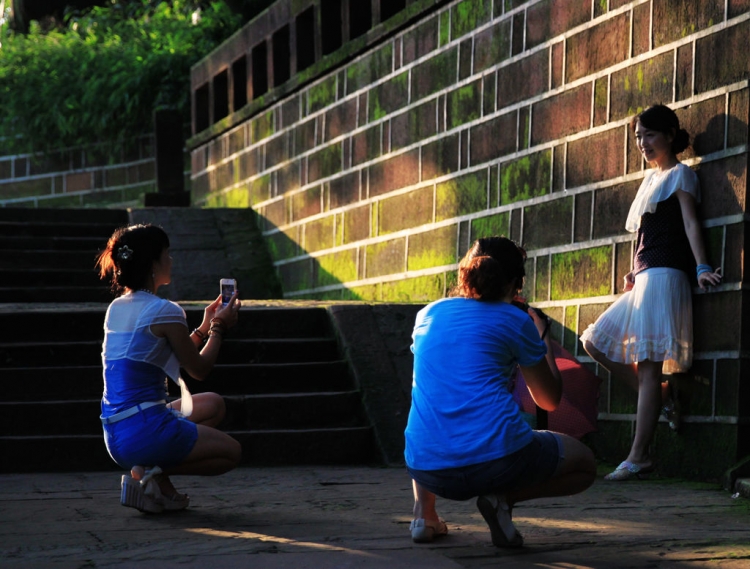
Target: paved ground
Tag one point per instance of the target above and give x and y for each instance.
(342, 517)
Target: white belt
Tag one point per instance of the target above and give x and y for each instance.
(131, 411)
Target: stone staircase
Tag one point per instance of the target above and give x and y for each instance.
(291, 396)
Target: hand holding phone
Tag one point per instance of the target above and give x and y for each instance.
(227, 287)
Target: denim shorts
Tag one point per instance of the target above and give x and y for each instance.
(534, 464)
(156, 436)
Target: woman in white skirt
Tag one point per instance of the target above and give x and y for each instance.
(648, 331)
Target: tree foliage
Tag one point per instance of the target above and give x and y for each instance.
(99, 79)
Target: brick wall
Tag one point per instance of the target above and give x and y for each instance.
(511, 117)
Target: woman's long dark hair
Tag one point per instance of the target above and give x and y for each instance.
(129, 256)
(490, 269)
(663, 119)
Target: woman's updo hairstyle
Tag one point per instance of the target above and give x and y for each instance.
(490, 269)
(129, 256)
(663, 119)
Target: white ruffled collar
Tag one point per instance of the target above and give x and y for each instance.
(658, 186)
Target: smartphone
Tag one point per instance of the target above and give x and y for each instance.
(227, 286)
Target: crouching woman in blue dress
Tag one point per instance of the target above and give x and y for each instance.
(146, 341)
(465, 437)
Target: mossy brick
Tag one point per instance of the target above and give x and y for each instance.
(623, 264)
(524, 127)
(262, 126)
(336, 268)
(674, 19)
(595, 158)
(400, 171)
(489, 93)
(727, 398)
(385, 258)
(525, 177)
(583, 217)
(306, 135)
(713, 238)
(79, 182)
(322, 94)
(464, 104)
(519, 25)
(434, 74)
(684, 72)
(414, 125)
(306, 203)
(465, 58)
(706, 121)
(468, 15)
(580, 274)
(223, 175)
(297, 275)
(541, 279)
(318, 234)
(638, 86)
(597, 47)
(641, 28)
(199, 187)
(287, 178)
(701, 451)
(561, 115)
(418, 289)
(612, 206)
(717, 307)
(366, 145)
(405, 211)
(492, 45)
(388, 97)
(236, 198)
(260, 189)
(344, 190)
(20, 167)
(370, 68)
(444, 33)
(366, 292)
(494, 177)
(558, 167)
(433, 248)
(734, 249)
(601, 101)
(290, 111)
(739, 108)
(19, 189)
(276, 214)
(622, 398)
(587, 314)
(695, 388)
(421, 40)
(493, 138)
(440, 157)
(497, 224)
(516, 224)
(236, 140)
(325, 162)
(49, 163)
(723, 186)
(570, 319)
(277, 148)
(341, 119)
(118, 177)
(551, 18)
(713, 69)
(548, 224)
(461, 195)
(247, 163)
(533, 68)
(283, 244)
(357, 224)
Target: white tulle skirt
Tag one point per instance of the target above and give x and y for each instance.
(654, 321)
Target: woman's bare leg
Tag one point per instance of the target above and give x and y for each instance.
(625, 372)
(647, 413)
(424, 503)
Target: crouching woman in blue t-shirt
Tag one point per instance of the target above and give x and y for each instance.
(465, 436)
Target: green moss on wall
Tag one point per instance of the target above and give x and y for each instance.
(579, 274)
(367, 292)
(420, 289)
(462, 195)
(432, 248)
(469, 15)
(445, 27)
(490, 226)
(337, 268)
(371, 67)
(262, 126)
(321, 94)
(526, 177)
(464, 104)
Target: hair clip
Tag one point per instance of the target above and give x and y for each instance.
(124, 253)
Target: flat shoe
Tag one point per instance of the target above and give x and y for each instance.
(424, 531)
(627, 470)
(672, 413)
(497, 514)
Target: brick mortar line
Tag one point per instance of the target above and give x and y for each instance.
(43, 197)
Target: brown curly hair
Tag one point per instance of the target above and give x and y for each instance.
(493, 267)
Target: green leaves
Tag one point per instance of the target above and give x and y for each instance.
(99, 80)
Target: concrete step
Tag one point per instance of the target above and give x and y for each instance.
(67, 277)
(18, 242)
(49, 259)
(51, 294)
(89, 216)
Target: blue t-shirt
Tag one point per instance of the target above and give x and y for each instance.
(462, 412)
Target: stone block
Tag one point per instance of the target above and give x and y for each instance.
(341, 119)
(734, 248)
(623, 264)
(287, 178)
(434, 74)
(262, 126)
(489, 93)
(433, 248)
(601, 101)
(548, 224)
(675, 19)
(420, 40)
(406, 211)
(597, 47)
(556, 71)
(612, 206)
(465, 56)
(727, 391)
(306, 136)
(461, 195)
(444, 32)
(236, 140)
(260, 189)
(497, 224)
(550, 18)
(713, 68)
(440, 157)
(418, 289)
(519, 23)
(336, 268)
(344, 190)
(318, 235)
(306, 203)
(393, 173)
(362, 72)
(385, 258)
(468, 15)
(275, 214)
(684, 72)
(541, 278)
(322, 94)
(464, 104)
(297, 275)
(491, 46)
(526, 177)
(561, 115)
(535, 72)
(248, 164)
(388, 97)
(414, 125)
(641, 28)
(26, 188)
(595, 158)
(357, 224)
(20, 167)
(582, 223)
(290, 111)
(558, 168)
(366, 145)
(118, 177)
(79, 182)
(493, 138)
(570, 320)
(524, 127)
(737, 130)
(50, 162)
(724, 186)
(284, 244)
(580, 274)
(325, 162)
(516, 224)
(717, 307)
(641, 85)
(277, 149)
